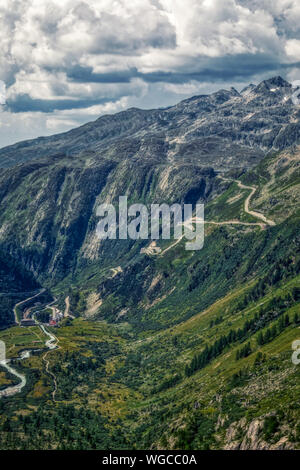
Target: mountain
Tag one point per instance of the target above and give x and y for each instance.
(168, 348)
(224, 129)
(174, 154)
(15, 282)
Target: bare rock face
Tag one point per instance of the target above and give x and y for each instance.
(50, 196)
(252, 437)
(224, 129)
(50, 187)
(282, 444)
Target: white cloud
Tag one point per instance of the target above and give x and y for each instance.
(293, 48)
(2, 92)
(52, 50)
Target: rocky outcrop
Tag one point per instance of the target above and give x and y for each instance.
(226, 129)
(248, 436)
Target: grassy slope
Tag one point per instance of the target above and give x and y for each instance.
(136, 381)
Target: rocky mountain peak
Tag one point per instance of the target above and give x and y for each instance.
(278, 82)
(245, 91)
(222, 128)
(272, 85)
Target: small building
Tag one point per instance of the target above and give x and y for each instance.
(52, 323)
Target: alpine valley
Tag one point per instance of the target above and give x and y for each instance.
(152, 346)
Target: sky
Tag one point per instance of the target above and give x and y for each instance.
(64, 63)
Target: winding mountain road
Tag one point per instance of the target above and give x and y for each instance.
(253, 189)
(17, 321)
(153, 249)
(51, 343)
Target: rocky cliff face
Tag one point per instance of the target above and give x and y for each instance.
(197, 344)
(48, 219)
(253, 437)
(52, 186)
(225, 129)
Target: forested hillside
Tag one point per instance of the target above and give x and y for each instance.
(159, 347)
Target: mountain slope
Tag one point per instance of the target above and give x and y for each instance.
(168, 348)
(225, 129)
(174, 155)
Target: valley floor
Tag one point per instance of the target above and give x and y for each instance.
(138, 390)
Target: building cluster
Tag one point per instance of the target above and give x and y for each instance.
(56, 317)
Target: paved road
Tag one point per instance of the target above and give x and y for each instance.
(17, 321)
(253, 189)
(152, 249)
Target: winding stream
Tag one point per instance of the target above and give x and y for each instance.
(51, 343)
(12, 390)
